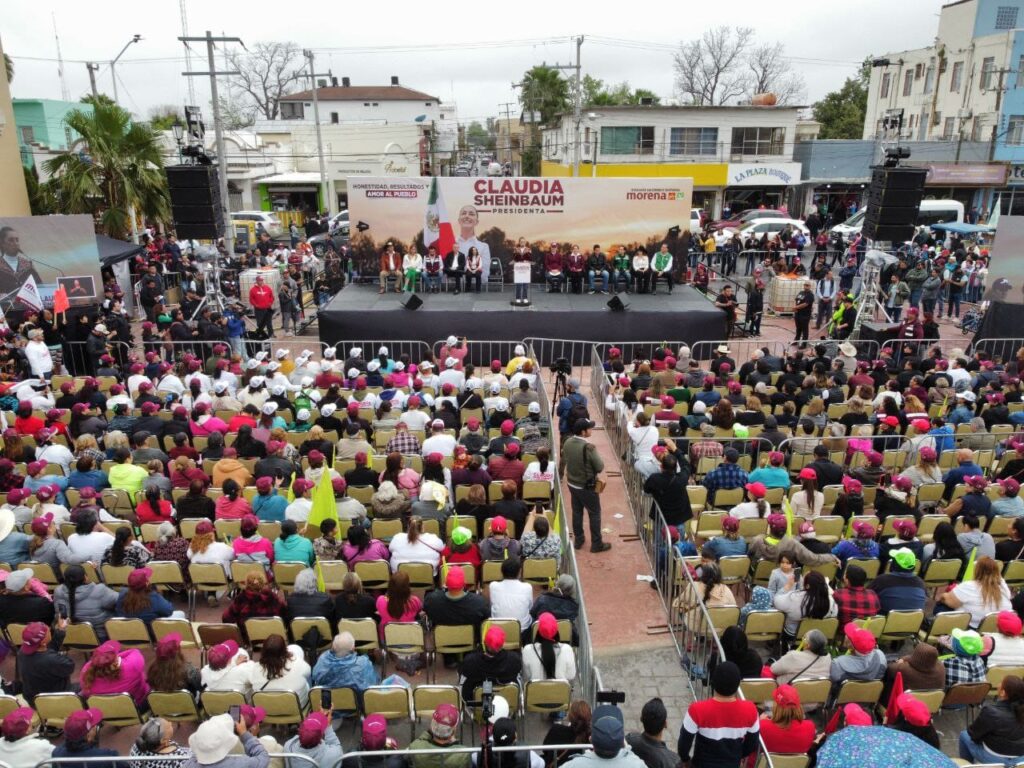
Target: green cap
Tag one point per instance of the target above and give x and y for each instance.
(461, 535)
(740, 430)
(967, 642)
(904, 558)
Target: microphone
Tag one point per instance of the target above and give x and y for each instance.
(58, 270)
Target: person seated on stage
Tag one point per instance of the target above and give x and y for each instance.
(474, 268)
(641, 270)
(621, 269)
(390, 266)
(553, 269)
(576, 266)
(597, 266)
(662, 268)
(455, 268)
(412, 267)
(433, 266)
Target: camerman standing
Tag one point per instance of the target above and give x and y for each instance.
(582, 468)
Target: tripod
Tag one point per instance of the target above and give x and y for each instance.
(213, 296)
(560, 390)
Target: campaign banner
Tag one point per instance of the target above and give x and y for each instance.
(49, 249)
(492, 214)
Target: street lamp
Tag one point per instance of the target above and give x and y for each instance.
(113, 74)
(179, 134)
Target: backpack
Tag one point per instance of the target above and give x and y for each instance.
(577, 412)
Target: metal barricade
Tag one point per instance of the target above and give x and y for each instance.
(924, 347)
(78, 362)
(418, 351)
(547, 351)
(631, 351)
(538, 748)
(293, 759)
(481, 352)
(740, 350)
(1004, 349)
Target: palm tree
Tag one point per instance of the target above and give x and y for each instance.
(115, 169)
(544, 90)
(9, 67)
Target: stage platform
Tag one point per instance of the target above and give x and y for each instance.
(360, 312)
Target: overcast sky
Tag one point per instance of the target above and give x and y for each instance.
(471, 52)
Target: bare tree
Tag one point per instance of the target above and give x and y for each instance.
(771, 73)
(266, 73)
(710, 70)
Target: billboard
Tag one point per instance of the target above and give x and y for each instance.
(51, 250)
(1005, 281)
(492, 213)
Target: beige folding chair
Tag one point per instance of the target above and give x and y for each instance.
(939, 574)
(814, 690)
(219, 702)
(758, 690)
(511, 629)
(943, 624)
(182, 627)
(375, 574)
(967, 695)
(176, 706)
(421, 575)
(390, 702)
(283, 707)
(827, 627)
(863, 692)
(240, 570)
(285, 573)
(385, 530)
(262, 627)
(130, 633)
(118, 709)
(734, 568)
(333, 573)
(166, 574)
(540, 571)
(300, 625)
(491, 571)
(426, 698)
(54, 708)
(546, 697)
(81, 636)
(828, 529)
(363, 630)
(206, 578)
(764, 626)
(115, 576)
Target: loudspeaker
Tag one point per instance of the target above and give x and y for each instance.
(412, 301)
(196, 207)
(615, 304)
(893, 202)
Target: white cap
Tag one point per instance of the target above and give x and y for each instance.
(306, 381)
(100, 328)
(450, 362)
(496, 387)
(302, 359)
(425, 365)
(399, 366)
(534, 408)
(474, 383)
(451, 341)
(307, 354)
(253, 364)
(281, 354)
(373, 366)
(273, 366)
(383, 351)
(437, 424)
(501, 404)
(355, 352)
(303, 414)
(520, 350)
(256, 381)
(968, 396)
(315, 396)
(328, 409)
(277, 389)
(353, 373)
(261, 356)
(270, 408)
(329, 352)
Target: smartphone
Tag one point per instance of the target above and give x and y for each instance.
(325, 698)
(235, 711)
(63, 612)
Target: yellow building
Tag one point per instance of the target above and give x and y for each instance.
(13, 195)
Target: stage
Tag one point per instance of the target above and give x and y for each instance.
(360, 312)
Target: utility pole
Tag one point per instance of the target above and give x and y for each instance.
(324, 185)
(222, 160)
(93, 68)
(999, 100)
(508, 128)
(577, 107)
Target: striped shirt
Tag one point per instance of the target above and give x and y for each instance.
(721, 733)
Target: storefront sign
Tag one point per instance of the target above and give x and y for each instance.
(763, 174)
(969, 174)
(1016, 176)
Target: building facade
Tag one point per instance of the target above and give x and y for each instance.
(42, 130)
(738, 157)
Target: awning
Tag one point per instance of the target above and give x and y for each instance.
(299, 177)
(113, 251)
(962, 229)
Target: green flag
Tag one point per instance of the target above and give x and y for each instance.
(323, 500)
(969, 570)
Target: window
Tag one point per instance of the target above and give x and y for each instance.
(929, 79)
(987, 65)
(627, 140)
(693, 141)
(947, 127)
(908, 82)
(28, 134)
(1020, 73)
(334, 117)
(1015, 130)
(376, 103)
(976, 130)
(885, 85)
(758, 141)
(918, 71)
(428, 103)
(291, 110)
(956, 76)
(366, 103)
(1006, 17)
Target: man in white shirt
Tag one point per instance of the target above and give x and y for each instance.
(414, 418)
(53, 453)
(438, 442)
(38, 354)
(451, 375)
(957, 373)
(510, 597)
(490, 403)
(299, 509)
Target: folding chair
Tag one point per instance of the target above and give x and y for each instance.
(1013, 574)
(426, 698)
(375, 574)
(118, 709)
(166, 575)
(285, 573)
(943, 624)
(283, 707)
(54, 708)
(758, 690)
(183, 627)
(926, 530)
(81, 636)
(734, 568)
(967, 695)
(491, 571)
(762, 573)
(939, 574)
(205, 578)
(870, 565)
(814, 690)
(828, 529)
(764, 626)
(214, 634)
(344, 700)
(130, 633)
(219, 702)
(42, 571)
(390, 702)
(363, 630)
(995, 676)
(564, 631)
(421, 575)
(723, 617)
(863, 692)
(511, 629)
(827, 627)
(333, 573)
(240, 570)
(784, 760)
(260, 628)
(537, 492)
(115, 576)
(546, 697)
(176, 706)
(385, 530)
(540, 571)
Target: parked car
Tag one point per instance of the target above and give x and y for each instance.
(324, 242)
(737, 220)
(695, 220)
(758, 227)
(265, 221)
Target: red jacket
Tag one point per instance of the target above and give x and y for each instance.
(553, 262)
(241, 420)
(261, 297)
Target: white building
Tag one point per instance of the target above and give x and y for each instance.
(738, 156)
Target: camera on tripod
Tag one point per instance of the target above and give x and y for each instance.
(561, 366)
(487, 699)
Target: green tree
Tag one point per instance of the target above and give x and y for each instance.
(841, 113)
(596, 94)
(98, 99)
(162, 117)
(39, 200)
(544, 90)
(117, 168)
(642, 93)
(477, 136)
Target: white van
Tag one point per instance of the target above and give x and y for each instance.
(931, 212)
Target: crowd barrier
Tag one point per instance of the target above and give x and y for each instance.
(1006, 349)
(78, 362)
(923, 348)
(481, 352)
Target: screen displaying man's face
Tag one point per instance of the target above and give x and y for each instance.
(9, 244)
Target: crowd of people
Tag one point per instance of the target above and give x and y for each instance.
(847, 489)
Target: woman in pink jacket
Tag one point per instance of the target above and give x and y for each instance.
(406, 479)
(251, 546)
(232, 505)
(111, 670)
(359, 547)
(202, 423)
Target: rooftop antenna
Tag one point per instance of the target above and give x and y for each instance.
(64, 93)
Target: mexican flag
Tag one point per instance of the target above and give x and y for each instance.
(437, 229)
